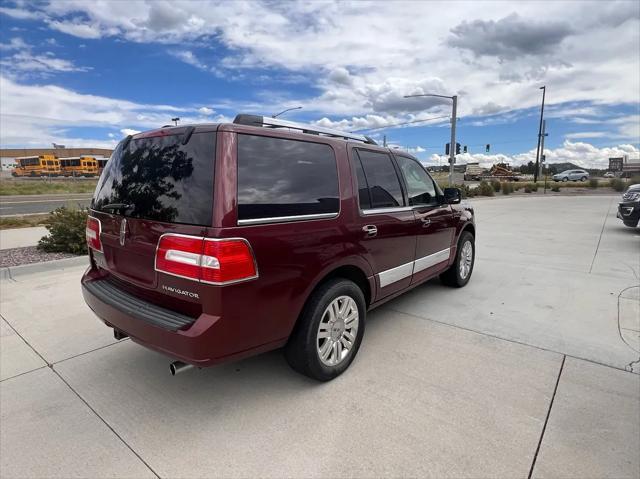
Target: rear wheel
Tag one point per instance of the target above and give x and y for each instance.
(584, 178)
(329, 331)
(460, 271)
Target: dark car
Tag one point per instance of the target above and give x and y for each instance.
(213, 242)
(629, 207)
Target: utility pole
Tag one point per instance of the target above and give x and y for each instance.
(452, 148)
(535, 173)
(543, 159)
(384, 141)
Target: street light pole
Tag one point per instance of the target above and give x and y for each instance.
(452, 146)
(535, 173)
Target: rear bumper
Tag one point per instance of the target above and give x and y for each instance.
(201, 341)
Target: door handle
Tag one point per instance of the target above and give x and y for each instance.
(425, 222)
(370, 230)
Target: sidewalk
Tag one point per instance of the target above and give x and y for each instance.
(20, 237)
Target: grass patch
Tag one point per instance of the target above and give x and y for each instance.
(43, 186)
(23, 221)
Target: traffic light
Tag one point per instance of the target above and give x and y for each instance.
(457, 148)
(446, 149)
(465, 149)
(487, 148)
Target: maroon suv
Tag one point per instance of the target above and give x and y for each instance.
(211, 243)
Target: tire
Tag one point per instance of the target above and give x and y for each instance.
(454, 276)
(304, 349)
(565, 179)
(584, 178)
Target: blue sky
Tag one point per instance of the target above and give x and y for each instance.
(86, 73)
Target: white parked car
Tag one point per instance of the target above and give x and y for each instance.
(573, 175)
(609, 174)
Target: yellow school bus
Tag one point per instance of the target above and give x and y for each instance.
(102, 162)
(43, 165)
(79, 166)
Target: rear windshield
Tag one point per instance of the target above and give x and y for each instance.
(161, 179)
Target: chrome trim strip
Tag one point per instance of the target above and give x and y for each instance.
(286, 219)
(431, 260)
(395, 274)
(382, 211)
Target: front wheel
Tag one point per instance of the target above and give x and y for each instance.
(329, 331)
(565, 179)
(460, 271)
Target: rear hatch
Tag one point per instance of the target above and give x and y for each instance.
(154, 183)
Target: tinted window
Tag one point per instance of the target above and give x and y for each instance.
(384, 186)
(161, 179)
(278, 177)
(420, 187)
(363, 188)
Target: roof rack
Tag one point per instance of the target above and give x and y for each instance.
(268, 122)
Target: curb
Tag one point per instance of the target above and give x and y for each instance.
(13, 272)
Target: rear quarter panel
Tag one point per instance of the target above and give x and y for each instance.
(292, 257)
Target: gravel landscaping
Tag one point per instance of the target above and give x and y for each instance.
(27, 255)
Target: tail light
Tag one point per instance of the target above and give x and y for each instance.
(92, 233)
(206, 260)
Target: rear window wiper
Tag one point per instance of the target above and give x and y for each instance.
(116, 206)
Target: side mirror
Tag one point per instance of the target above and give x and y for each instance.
(452, 196)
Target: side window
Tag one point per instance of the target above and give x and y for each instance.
(363, 187)
(279, 178)
(420, 187)
(381, 177)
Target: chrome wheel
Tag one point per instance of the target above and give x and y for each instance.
(466, 259)
(337, 331)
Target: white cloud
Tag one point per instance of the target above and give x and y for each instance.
(501, 51)
(206, 111)
(40, 114)
(20, 13)
(129, 131)
(24, 60)
(77, 28)
(16, 43)
(586, 134)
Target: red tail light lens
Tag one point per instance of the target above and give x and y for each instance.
(206, 260)
(227, 261)
(92, 233)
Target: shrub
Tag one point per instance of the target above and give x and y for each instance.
(507, 188)
(516, 186)
(485, 189)
(66, 232)
(634, 180)
(496, 185)
(617, 184)
(534, 186)
(527, 188)
(555, 188)
(593, 183)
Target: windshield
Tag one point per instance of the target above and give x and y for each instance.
(158, 178)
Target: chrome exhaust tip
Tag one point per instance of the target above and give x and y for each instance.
(178, 367)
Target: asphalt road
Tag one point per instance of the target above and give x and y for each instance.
(34, 204)
(524, 372)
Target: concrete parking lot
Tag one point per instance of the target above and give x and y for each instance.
(530, 370)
